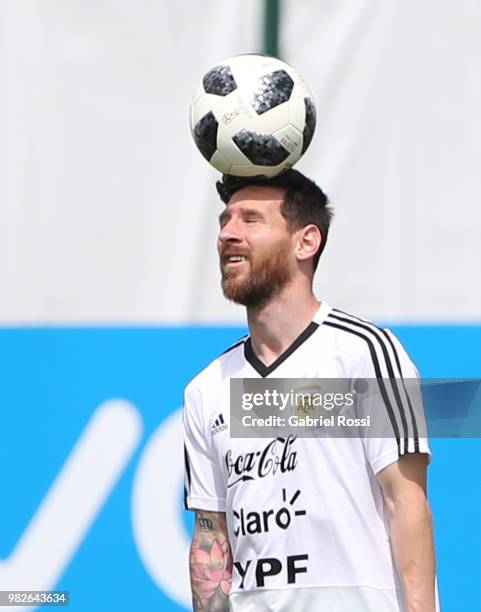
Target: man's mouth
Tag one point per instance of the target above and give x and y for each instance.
(232, 261)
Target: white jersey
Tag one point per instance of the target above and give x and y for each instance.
(307, 522)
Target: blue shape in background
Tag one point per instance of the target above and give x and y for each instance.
(53, 378)
(446, 399)
(454, 491)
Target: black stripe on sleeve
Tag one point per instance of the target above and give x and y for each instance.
(378, 373)
(391, 375)
(353, 319)
(411, 411)
(187, 477)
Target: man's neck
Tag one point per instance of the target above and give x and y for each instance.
(275, 326)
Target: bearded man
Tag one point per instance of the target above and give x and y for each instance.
(291, 523)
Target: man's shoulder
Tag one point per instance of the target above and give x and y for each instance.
(353, 326)
(220, 369)
(358, 327)
(370, 341)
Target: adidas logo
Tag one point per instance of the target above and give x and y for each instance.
(218, 425)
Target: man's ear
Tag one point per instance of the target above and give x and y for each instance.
(309, 241)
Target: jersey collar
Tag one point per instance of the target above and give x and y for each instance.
(264, 370)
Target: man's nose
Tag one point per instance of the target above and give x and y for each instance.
(230, 232)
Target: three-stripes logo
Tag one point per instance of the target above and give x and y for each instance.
(218, 425)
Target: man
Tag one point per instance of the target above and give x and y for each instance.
(291, 523)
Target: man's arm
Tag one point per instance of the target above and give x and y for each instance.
(210, 563)
(404, 488)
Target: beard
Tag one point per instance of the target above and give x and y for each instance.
(268, 276)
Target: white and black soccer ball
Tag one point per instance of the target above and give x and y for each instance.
(252, 115)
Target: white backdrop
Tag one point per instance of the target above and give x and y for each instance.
(109, 214)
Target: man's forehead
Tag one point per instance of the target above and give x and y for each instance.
(257, 194)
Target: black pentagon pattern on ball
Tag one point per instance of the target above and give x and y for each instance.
(310, 124)
(205, 135)
(274, 89)
(219, 81)
(261, 149)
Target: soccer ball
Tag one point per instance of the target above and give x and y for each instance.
(252, 115)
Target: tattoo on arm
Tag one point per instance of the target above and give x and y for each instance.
(210, 563)
(204, 524)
